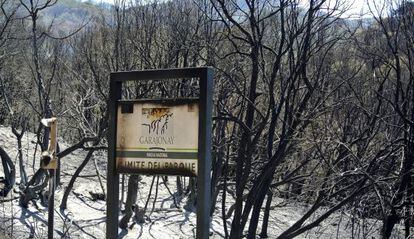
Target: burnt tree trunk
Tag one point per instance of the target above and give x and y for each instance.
(130, 201)
(389, 223)
(68, 189)
(9, 173)
(22, 170)
(265, 224)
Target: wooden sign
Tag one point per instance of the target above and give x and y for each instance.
(167, 136)
(157, 137)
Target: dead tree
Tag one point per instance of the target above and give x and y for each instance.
(393, 55)
(277, 105)
(7, 183)
(131, 199)
(19, 135)
(33, 10)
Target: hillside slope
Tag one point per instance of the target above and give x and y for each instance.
(85, 217)
(67, 16)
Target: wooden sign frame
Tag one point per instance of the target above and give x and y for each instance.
(205, 76)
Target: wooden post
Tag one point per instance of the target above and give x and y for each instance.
(51, 204)
(49, 162)
(112, 180)
(204, 147)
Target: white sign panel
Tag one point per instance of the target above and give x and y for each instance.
(157, 137)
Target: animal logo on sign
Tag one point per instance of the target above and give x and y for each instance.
(156, 120)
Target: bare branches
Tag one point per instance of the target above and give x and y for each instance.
(310, 105)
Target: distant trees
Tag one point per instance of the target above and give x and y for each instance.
(8, 11)
(7, 20)
(391, 54)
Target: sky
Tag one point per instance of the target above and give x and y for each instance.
(354, 8)
(99, 1)
(107, 1)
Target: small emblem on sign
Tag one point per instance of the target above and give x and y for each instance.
(157, 121)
